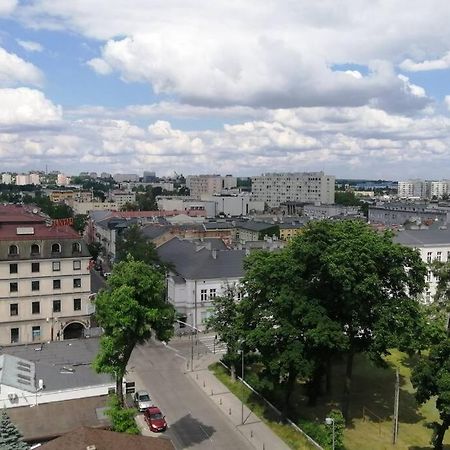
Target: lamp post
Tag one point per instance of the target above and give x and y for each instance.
(330, 421)
(192, 340)
(241, 342)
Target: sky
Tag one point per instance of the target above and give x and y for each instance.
(356, 88)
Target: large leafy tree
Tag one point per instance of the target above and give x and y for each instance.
(431, 378)
(10, 436)
(130, 309)
(367, 285)
(132, 242)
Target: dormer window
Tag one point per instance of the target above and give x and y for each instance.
(56, 248)
(76, 247)
(35, 250)
(13, 250)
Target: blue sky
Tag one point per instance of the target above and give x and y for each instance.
(357, 90)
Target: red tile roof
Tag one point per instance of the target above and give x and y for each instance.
(41, 231)
(143, 214)
(20, 214)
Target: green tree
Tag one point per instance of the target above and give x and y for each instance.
(130, 309)
(225, 322)
(129, 207)
(95, 248)
(347, 198)
(366, 284)
(10, 436)
(79, 222)
(122, 419)
(431, 378)
(132, 242)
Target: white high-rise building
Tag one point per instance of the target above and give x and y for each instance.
(308, 187)
(6, 178)
(62, 180)
(209, 184)
(423, 189)
(35, 178)
(22, 180)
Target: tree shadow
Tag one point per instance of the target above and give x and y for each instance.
(190, 430)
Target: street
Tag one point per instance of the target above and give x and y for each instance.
(194, 421)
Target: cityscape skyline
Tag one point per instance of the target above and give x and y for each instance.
(238, 87)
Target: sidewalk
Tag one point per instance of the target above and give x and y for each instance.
(257, 432)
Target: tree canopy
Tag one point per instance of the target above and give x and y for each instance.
(130, 309)
(10, 436)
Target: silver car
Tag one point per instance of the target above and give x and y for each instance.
(142, 400)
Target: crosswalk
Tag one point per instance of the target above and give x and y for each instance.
(213, 344)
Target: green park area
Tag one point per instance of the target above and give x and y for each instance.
(371, 408)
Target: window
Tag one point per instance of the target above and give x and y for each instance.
(212, 293)
(14, 335)
(35, 250)
(13, 250)
(56, 284)
(56, 306)
(203, 316)
(35, 267)
(77, 304)
(13, 268)
(203, 294)
(35, 285)
(56, 265)
(77, 282)
(76, 247)
(77, 264)
(56, 248)
(448, 256)
(438, 256)
(36, 308)
(13, 287)
(429, 256)
(36, 333)
(429, 276)
(14, 309)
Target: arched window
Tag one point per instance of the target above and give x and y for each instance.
(56, 248)
(13, 250)
(35, 250)
(76, 247)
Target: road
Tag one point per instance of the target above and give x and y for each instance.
(194, 421)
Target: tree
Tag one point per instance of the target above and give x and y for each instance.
(225, 322)
(431, 378)
(79, 222)
(130, 309)
(95, 249)
(10, 436)
(365, 283)
(132, 242)
(122, 419)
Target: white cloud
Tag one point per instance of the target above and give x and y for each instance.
(426, 65)
(30, 46)
(24, 107)
(7, 7)
(100, 66)
(15, 71)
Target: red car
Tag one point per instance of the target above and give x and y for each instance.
(155, 419)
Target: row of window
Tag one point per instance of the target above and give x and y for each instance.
(36, 307)
(438, 256)
(204, 294)
(36, 285)
(36, 249)
(36, 267)
(35, 334)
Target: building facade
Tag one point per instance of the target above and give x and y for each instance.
(309, 187)
(44, 283)
(209, 184)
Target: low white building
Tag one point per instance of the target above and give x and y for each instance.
(433, 245)
(199, 274)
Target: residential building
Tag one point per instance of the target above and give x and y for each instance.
(70, 196)
(121, 198)
(197, 276)
(309, 187)
(35, 178)
(236, 205)
(209, 184)
(255, 231)
(433, 245)
(327, 211)
(149, 177)
(87, 207)
(412, 189)
(186, 204)
(62, 180)
(290, 230)
(6, 178)
(121, 177)
(44, 280)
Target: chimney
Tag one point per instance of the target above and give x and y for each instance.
(214, 254)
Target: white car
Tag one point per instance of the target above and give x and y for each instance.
(142, 400)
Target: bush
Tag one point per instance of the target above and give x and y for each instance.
(122, 419)
(323, 434)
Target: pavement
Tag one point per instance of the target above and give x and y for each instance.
(202, 413)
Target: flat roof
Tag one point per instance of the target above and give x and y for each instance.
(423, 237)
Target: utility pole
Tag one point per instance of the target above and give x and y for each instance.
(396, 403)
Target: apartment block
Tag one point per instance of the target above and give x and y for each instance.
(209, 184)
(308, 187)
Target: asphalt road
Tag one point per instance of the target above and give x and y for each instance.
(194, 421)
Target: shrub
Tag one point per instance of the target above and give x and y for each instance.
(122, 419)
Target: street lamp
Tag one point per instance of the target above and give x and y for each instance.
(330, 421)
(241, 342)
(192, 340)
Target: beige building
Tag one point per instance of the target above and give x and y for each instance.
(308, 187)
(44, 283)
(209, 184)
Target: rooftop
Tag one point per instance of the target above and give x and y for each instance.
(36, 231)
(423, 237)
(20, 214)
(17, 373)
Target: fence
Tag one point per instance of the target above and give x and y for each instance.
(277, 411)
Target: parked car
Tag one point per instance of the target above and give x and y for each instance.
(106, 275)
(155, 419)
(142, 400)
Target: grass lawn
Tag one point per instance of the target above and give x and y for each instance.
(372, 404)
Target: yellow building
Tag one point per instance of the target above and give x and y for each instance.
(289, 230)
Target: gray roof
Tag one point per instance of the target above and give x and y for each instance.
(192, 264)
(423, 237)
(211, 243)
(218, 225)
(152, 231)
(17, 373)
(254, 226)
(63, 364)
